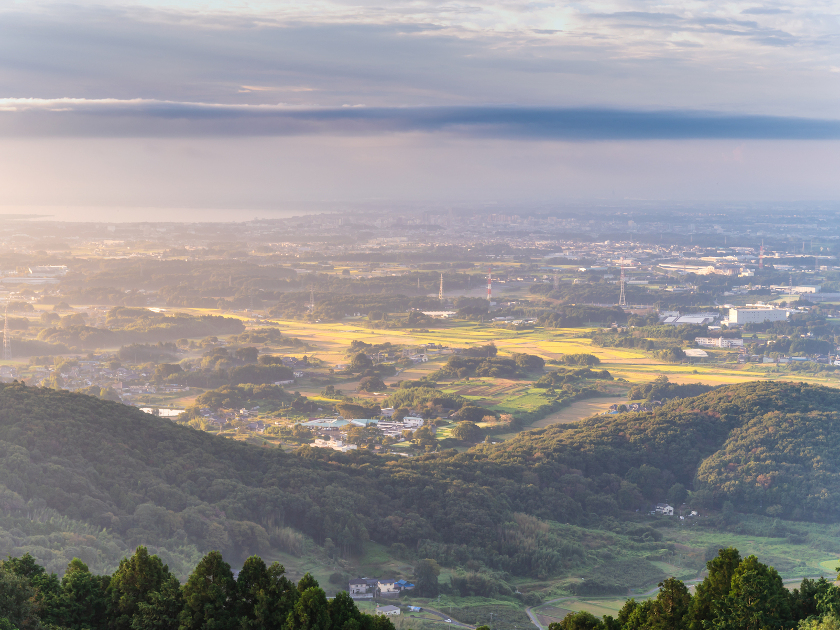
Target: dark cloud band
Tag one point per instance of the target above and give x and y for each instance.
(110, 118)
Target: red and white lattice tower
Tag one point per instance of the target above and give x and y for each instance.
(489, 284)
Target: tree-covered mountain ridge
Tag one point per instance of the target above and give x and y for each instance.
(766, 447)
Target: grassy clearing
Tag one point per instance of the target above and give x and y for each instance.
(579, 410)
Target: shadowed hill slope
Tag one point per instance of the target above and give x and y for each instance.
(149, 481)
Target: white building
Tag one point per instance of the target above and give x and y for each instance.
(390, 611)
(742, 316)
(412, 422)
(719, 342)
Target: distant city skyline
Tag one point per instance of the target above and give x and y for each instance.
(274, 105)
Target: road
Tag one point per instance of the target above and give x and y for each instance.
(444, 617)
(649, 593)
(536, 622)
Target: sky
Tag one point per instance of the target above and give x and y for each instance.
(271, 106)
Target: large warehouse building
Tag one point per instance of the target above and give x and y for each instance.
(756, 315)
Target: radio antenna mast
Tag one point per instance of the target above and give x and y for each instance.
(621, 299)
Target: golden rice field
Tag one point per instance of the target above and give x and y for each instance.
(332, 340)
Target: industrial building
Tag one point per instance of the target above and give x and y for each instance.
(740, 316)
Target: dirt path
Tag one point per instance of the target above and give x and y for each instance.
(579, 410)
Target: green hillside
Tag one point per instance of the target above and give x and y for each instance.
(91, 478)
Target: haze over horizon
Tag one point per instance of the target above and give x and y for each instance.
(268, 106)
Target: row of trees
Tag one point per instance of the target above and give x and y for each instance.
(143, 595)
(737, 594)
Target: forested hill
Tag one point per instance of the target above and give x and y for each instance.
(71, 465)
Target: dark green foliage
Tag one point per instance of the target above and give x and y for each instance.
(372, 384)
(83, 602)
(737, 594)
(136, 325)
(673, 354)
(582, 359)
(661, 389)
(460, 366)
(580, 315)
(360, 362)
(143, 595)
(354, 411)
(210, 600)
(470, 414)
(422, 395)
(426, 574)
(16, 600)
(238, 396)
(528, 362)
(468, 432)
(565, 376)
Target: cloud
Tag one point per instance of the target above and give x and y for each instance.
(765, 11)
(65, 117)
(617, 53)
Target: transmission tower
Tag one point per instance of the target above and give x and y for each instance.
(311, 300)
(490, 284)
(761, 256)
(440, 293)
(621, 299)
(556, 280)
(7, 343)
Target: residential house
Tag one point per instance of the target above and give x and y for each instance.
(390, 611)
(359, 588)
(387, 588)
(664, 509)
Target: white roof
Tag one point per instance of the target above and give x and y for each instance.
(695, 353)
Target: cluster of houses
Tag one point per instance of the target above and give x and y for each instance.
(636, 406)
(329, 430)
(373, 588)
